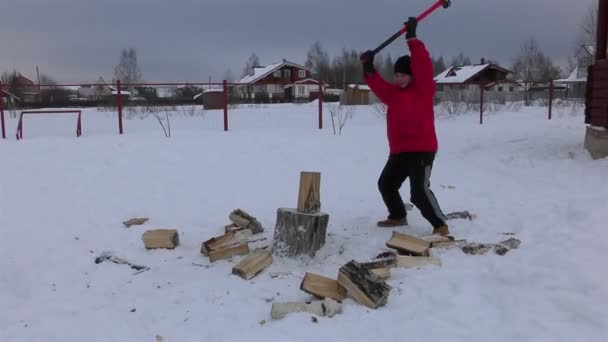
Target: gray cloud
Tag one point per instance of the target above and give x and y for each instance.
(185, 40)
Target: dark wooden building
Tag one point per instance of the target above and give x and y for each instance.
(596, 109)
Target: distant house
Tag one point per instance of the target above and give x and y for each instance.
(9, 99)
(28, 90)
(275, 82)
(302, 90)
(95, 92)
(577, 80)
(357, 94)
(100, 91)
(461, 81)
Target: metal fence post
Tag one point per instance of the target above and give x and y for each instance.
(119, 104)
(225, 90)
(2, 112)
(321, 104)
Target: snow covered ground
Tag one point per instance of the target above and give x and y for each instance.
(63, 200)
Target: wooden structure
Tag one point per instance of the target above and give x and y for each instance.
(302, 231)
(213, 99)
(596, 111)
(357, 94)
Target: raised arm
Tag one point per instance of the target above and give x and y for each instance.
(380, 87)
(422, 65)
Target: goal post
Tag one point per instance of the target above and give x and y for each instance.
(19, 134)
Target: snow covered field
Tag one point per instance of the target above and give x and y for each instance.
(63, 200)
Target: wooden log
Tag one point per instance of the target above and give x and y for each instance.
(135, 221)
(231, 228)
(382, 273)
(238, 220)
(364, 286)
(242, 219)
(298, 233)
(309, 195)
(408, 244)
(226, 240)
(449, 244)
(229, 252)
(322, 287)
(381, 263)
(404, 261)
(327, 307)
(253, 264)
(161, 238)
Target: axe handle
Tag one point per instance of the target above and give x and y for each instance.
(421, 17)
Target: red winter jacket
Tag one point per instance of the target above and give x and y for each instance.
(410, 117)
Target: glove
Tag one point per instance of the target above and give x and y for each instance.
(411, 23)
(367, 59)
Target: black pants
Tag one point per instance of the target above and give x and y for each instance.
(417, 166)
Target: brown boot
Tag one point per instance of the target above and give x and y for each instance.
(392, 223)
(441, 230)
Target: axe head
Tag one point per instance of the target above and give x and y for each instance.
(447, 3)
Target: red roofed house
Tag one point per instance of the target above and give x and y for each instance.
(26, 89)
(279, 82)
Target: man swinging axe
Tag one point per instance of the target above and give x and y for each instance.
(411, 132)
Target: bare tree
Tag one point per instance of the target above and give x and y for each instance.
(229, 76)
(387, 67)
(588, 27)
(127, 70)
(158, 112)
(439, 66)
(346, 68)
(460, 60)
(252, 61)
(51, 93)
(340, 115)
(318, 59)
(531, 66)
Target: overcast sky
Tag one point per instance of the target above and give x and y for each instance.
(188, 40)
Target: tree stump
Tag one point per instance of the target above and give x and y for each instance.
(299, 233)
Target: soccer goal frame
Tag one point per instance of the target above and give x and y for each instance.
(38, 112)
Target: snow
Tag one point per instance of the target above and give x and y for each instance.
(64, 198)
(359, 86)
(463, 73)
(572, 78)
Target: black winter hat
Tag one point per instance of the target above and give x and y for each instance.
(403, 65)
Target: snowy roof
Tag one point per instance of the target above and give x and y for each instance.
(501, 82)
(572, 78)
(462, 74)
(590, 49)
(10, 94)
(261, 72)
(215, 90)
(359, 86)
